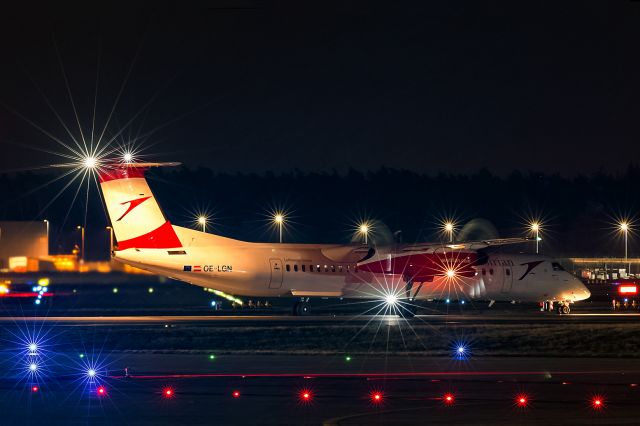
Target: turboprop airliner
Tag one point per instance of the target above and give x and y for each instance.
(400, 274)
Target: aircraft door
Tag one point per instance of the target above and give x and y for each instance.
(507, 279)
(276, 273)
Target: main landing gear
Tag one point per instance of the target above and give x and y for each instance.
(302, 307)
(562, 308)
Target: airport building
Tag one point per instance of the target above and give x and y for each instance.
(23, 244)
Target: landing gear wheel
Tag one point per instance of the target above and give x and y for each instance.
(565, 309)
(301, 309)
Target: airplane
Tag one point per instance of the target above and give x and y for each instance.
(398, 275)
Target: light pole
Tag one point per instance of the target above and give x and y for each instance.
(81, 228)
(47, 222)
(202, 220)
(364, 230)
(624, 227)
(448, 227)
(279, 220)
(110, 240)
(535, 228)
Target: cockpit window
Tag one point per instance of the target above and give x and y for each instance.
(556, 266)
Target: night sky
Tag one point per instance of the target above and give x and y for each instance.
(256, 86)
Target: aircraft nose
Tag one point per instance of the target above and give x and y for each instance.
(582, 292)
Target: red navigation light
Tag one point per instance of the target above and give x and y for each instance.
(628, 289)
(236, 394)
(168, 392)
(522, 400)
(35, 389)
(448, 398)
(101, 391)
(597, 402)
(376, 397)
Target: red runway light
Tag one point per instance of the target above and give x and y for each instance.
(305, 395)
(236, 394)
(376, 397)
(597, 402)
(448, 398)
(522, 401)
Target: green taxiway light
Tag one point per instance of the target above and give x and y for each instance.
(212, 357)
(347, 358)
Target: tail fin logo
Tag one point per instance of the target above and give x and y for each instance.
(132, 205)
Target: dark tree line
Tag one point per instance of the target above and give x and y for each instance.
(578, 213)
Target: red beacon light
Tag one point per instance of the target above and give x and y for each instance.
(101, 391)
(34, 389)
(376, 397)
(168, 392)
(235, 394)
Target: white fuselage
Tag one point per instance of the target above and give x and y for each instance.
(146, 239)
(274, 270)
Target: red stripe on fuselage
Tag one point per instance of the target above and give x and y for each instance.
(425, 266)
(163, 237)
(124, 172)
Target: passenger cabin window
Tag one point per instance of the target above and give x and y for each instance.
(340, 268)
(507, 271)
(326, 268)
(302, 268)
(557, 267)
(333, 268)
(490, 271)
(318, 268)
(348, 268)
(288, 268)
(310, 268)
(295, 268)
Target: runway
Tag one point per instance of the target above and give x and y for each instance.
(267, 390)
(560, 363)
(483, 317)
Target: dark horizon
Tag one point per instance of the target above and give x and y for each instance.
(325, 207)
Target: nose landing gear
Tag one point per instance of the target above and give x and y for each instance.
(563, 308)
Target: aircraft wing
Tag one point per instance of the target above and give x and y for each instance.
(467, 245)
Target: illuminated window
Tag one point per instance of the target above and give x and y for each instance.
(333, 268)
(348, 268)
(326, 268)
(288, 267)
(318, 268)
(507, 271)
(303, 266)
(295, 268)
(340, 268)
